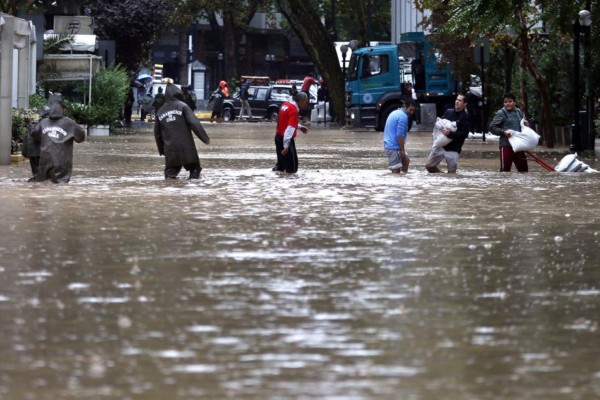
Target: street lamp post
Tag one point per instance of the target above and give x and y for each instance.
(175, 58)
(578, 141)
(344, 50)
(219, 64)
(269, 58)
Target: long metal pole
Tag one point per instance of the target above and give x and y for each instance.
(575, 127)
(483, 109)
(589, 97)
(588, 143)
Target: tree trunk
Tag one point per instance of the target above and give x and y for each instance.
(523, 89)
(230, 64)
(546, 111)
(306, 22)
(182, 60)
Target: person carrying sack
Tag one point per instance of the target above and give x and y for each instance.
(508, 119)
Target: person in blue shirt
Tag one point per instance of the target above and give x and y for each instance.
(394, 136)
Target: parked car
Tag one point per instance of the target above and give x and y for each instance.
(286, 85)
(264, 101)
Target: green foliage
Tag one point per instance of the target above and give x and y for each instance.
(363, 20)
(80, 113)
(54, 43)
(16, 7)
(21, 118)
(135, 26)
(554, 61)
(36, 101)
(109, 91)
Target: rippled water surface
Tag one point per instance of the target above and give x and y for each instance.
(341, 282)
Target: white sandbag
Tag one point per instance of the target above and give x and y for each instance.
(525, 140)
(571, 163)
(439, 139)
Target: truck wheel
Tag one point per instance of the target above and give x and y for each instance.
(273, 115)
(227, 114)
(384, 116)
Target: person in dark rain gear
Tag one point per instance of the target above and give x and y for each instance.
(244, 96)
(173, 137)
(56, 135)
(159, 100)
(189, 97)
(217, 99)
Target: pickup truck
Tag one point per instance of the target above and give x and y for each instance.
(264, 102)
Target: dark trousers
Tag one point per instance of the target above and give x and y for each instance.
(289, 162)
(305, 112)
(194, 168)
(127, 111)
(34, 163)
(508, 157)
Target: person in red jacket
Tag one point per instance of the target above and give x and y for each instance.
(307, 83)
(288, 125)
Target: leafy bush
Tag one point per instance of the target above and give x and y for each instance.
(21, 119)
(109, 91)
(80, 113)
(36, 101)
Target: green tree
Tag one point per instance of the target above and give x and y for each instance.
(363, 20)
(305, 20)
(236, 19)
(16, 7)
(551, 52)
(472, 19)
(135, 26)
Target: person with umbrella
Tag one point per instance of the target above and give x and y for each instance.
(142, 82)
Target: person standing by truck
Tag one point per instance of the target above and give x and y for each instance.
(395, 134)
(244, 95)
(307, 83)
(451, 151)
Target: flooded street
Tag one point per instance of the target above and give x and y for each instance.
(340, 282)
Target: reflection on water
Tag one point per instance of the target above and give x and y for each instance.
(342, 282)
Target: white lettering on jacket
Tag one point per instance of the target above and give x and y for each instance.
(55, 132)
(170, 115)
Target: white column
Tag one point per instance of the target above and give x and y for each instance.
(23, 76)
(7, 42)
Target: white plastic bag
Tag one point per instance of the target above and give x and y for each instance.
(525, 140)
(439, 139)
(571, 163)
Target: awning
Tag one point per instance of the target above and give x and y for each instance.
(80, 42)
(70, 67)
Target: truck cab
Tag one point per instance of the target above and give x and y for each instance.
(373, 72)
(376, 78)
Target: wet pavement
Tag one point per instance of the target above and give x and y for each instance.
(340, 282)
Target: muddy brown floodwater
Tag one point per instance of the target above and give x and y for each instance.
(341, 282)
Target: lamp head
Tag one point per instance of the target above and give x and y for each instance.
(585, 18)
